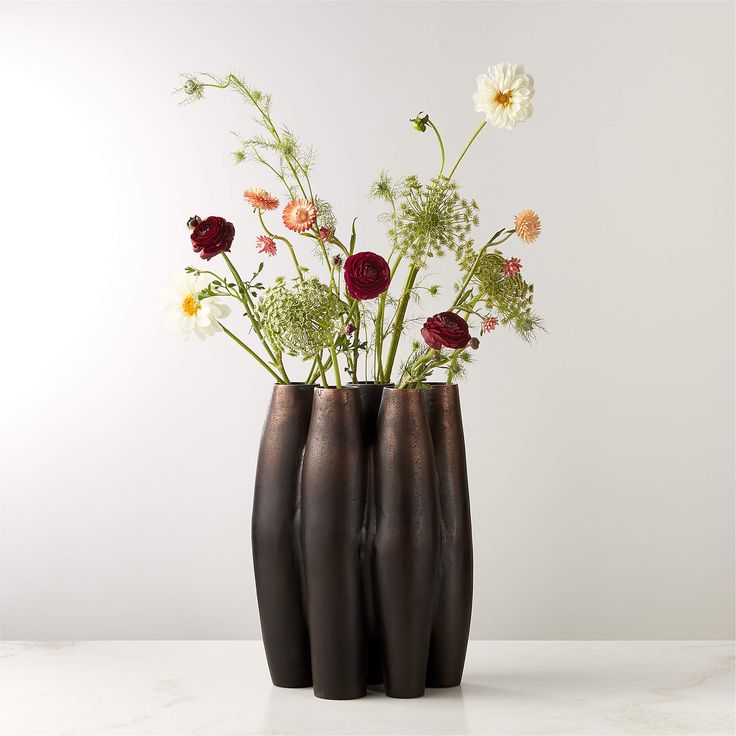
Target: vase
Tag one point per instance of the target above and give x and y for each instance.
(333, 507)
(275, 536)
(406, 551)
(370, 400)
(451, 625)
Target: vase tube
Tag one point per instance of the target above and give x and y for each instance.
(407, 543)
(370, 400)
(275, 536)
(451, 625)
(333, 507)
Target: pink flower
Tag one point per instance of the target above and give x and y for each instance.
(324, 234)
(489, 323)
(299, 215)
(266, 244)
(512, 267)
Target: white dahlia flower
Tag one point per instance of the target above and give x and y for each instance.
(185, 314)
(504, 95)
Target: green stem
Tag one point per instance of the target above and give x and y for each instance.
(465, 150)
(283, 240)
(335, 366)
(399, 321)
(248, 304)
(442, 147)
(253, 354)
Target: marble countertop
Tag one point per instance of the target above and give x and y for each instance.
(222, 687)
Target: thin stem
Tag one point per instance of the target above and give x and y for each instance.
(335, 366)
(399, 320)
(253, 354)
(442, 147)
(465, 150)
(248, 304)
(288, 245)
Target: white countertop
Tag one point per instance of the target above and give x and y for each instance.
(222, 687)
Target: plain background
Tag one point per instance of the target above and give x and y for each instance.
(601, 458)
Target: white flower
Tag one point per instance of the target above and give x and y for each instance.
(504, 95)
(185, 314)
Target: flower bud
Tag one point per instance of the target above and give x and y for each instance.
(349, 328)
(474, 343)
(324, 234)
(337, 261)
(420, 122)
(192, 222)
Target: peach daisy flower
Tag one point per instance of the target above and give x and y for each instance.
(299, 215)
(260, 199)
(528, 226)
(265, 244)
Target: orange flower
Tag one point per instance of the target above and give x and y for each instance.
(528, 226)
(299, 215)
(261, 199)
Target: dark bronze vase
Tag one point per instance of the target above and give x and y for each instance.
(275, 536)
(406, 552)
(451, 626)
(333, 507)
(370, 400)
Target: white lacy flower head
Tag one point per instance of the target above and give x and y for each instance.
(185, 314)
(504, 95)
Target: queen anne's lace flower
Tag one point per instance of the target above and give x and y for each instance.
(185, 313)
(504, 95)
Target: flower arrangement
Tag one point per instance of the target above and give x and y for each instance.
(349, 323)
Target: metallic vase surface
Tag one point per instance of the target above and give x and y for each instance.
(407, 544)
(370, 400)
(275, 536)
(451, 626)
(333, 507)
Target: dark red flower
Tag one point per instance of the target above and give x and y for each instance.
(212, 236)
(446, 329)
(366, 275)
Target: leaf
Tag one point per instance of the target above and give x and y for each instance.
(353, 236)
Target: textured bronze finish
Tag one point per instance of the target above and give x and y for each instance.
(370, 400)
(333, 507)
(451, 626)
(407, 546)
(275, 530)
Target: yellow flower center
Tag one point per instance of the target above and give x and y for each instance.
(302, 215)
(503, 98)
(190, 305)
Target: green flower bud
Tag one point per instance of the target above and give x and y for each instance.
(420, 122)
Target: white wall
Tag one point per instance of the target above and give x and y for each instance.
(601, 459)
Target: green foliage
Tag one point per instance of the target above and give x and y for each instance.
(300, 320)
(427, 219)
(510, 298)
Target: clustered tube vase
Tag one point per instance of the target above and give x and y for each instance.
(333, 507)
(362, 541)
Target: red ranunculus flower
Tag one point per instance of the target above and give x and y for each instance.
(446, 329)
(366, 275)
(212, 236)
